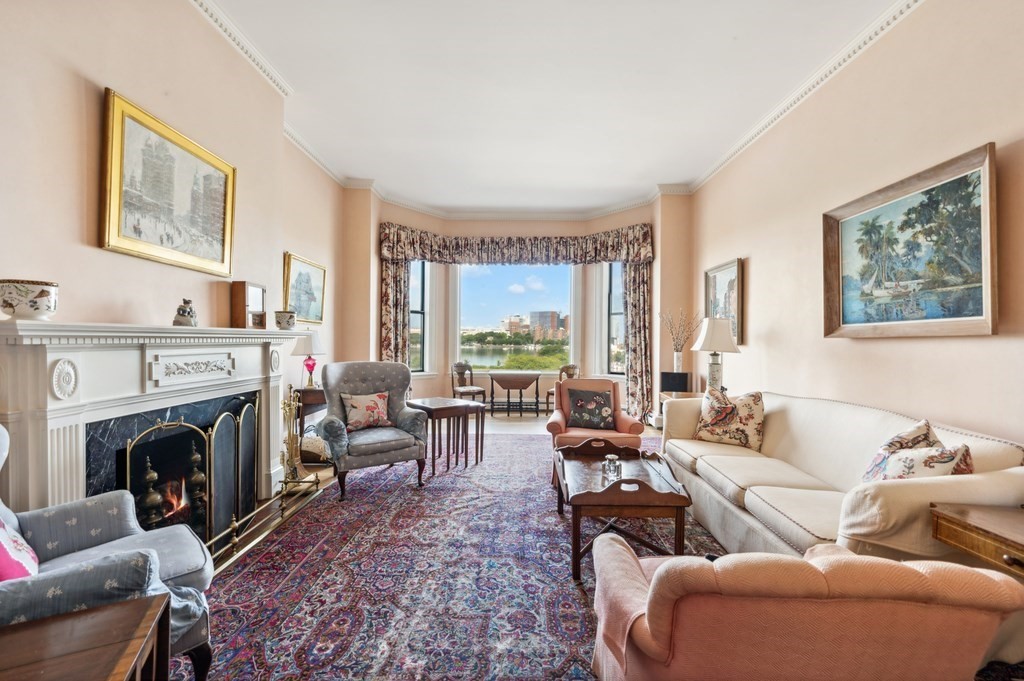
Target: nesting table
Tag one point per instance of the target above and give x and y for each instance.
(455, 414)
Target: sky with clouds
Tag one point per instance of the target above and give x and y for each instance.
(492, 292)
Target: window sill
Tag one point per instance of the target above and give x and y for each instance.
(424, 374)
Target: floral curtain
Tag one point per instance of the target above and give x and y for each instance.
(636, 289)
(633, 245)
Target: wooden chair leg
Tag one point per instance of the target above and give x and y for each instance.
(420, 464)
(201, 657)
(341, 484)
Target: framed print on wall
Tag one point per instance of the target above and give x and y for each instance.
(165, 197)
(723, 295)
(304, 286)
(916, 258)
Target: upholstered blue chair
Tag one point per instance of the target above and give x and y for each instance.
(404, 440)
(93, 552)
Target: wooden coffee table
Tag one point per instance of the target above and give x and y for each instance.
(647, 489)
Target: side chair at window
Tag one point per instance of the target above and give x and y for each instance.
(463, 387)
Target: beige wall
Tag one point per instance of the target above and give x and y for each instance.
(56, 58)
(945, 80)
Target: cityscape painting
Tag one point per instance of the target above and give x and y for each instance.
(919, 252)
(168, 199)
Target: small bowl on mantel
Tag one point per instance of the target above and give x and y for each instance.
(24, 299)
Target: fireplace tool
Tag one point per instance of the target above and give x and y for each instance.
(295, 472)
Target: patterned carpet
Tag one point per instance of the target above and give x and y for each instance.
(465, 578)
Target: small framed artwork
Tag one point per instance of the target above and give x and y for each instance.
(304, 286)
(916, 258)
(723, 295)
(165, 197)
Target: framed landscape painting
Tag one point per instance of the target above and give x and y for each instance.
(165, 197)
(304, 286)
(723, 295)
(916, 258)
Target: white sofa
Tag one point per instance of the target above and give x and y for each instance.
(804, 487)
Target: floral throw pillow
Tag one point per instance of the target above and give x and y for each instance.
(17, 559)
(917, 452)
(737, 421)
(365, 411)
(590, 409)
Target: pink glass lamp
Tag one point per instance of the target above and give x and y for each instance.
(309, 346)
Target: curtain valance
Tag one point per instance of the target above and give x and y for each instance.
(633, 244)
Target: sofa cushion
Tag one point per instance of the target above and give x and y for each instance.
(184, 561)
(366, 411)
(800, 517)
(590, 409)
(378, 440)
(686, 452)
(732, 476)
(738, 421)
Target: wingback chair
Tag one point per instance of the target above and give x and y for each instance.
(463, 387)
(829, 615)
(405, 440)
(627, 429)
(93, 552)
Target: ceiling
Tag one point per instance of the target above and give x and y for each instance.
(569, 107)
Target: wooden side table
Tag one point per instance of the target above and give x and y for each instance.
(311, 401)
(455, 413)
(995, 534)
(126, 640)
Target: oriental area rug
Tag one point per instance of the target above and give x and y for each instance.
(467, 577)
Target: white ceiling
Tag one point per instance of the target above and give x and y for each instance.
(540, 106)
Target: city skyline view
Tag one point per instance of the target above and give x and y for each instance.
(491, 293)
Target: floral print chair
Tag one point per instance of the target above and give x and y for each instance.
(401, 436)
(586, 408)
(93, 552)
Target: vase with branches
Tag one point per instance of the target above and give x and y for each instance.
(681, 328)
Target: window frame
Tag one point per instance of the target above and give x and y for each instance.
(422, 312)
(610, 313)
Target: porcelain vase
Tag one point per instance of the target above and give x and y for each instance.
(677, 362)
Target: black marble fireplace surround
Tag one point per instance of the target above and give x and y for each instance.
(234, 469)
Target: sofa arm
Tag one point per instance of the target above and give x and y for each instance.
(332, 430)
(414, 422)
(895, 513)
(680, 419)
(624, 423)
(89, 584)
(620, 600)
(58, 530)
(556, 422)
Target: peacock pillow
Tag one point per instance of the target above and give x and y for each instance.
(365, 411)
(590, 409)
(738, 421)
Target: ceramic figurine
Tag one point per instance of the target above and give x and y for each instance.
(23, 299)
(186, 314)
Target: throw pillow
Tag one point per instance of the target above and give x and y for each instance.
(737, 421)
(365, 411)
(919, 436)
(590, 409)
(923, 462)
(17, 559)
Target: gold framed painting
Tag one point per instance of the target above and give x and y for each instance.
(305, 283)
(165, 197)
(916, 258)
(723, 295)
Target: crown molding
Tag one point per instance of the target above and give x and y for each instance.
(682, 189)
(361, 183)
(294, 138)
(892, 16)
(216, 16)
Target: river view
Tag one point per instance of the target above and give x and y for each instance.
(492, 355)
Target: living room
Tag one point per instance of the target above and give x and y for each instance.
(900, 90)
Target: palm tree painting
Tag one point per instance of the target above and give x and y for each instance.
(918, 257)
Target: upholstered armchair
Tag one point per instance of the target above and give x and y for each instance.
(93, 552)
(627, 430)
(402, 439)
(829, 615)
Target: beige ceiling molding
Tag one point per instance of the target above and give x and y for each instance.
(682, 189)
(218, 18)
(304, 147)
(887, 20)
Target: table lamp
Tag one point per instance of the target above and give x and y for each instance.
(715, 337)
(308, 346)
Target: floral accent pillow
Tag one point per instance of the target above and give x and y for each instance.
(365, 411)
(590, 409)
(737, 421)
(931, 463)
(17, 559)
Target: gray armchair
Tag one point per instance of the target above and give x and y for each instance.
(93, 552)
(406, 441)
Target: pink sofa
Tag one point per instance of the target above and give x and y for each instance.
(830, 615)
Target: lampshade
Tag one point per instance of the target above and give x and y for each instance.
(308, 345)
(715, 336)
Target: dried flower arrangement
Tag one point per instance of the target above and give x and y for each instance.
(680, 328)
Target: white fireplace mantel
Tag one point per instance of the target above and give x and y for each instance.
(55, 378)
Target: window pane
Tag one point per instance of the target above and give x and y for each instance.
(416, 269)
(417, 286)
(616, 344)
(615, 281)
(416, 341)
(515, 316)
